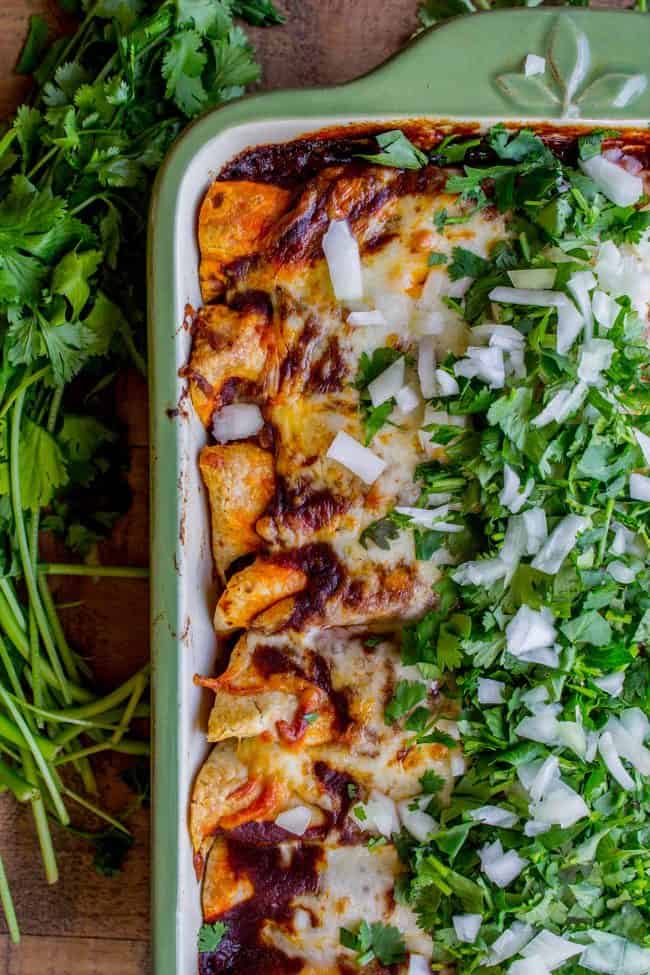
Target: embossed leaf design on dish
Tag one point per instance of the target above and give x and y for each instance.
(568, 58)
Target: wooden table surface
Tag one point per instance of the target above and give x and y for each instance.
(88, 924)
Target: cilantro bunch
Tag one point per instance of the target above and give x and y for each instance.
(76, 168)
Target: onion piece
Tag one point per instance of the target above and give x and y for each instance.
(236, 422)
(365, 318)
(418, 822)
(595, 358)
(509, 943)
(611, 684)
(502, 870)
(561, 806)
(636, 723)
(486, 364)
(482, 572)
(612, 760)
(643, 441)
(612, 955)
(447, 385)
(552, 948)
(569, 325)
(533, 828)
(407, 399)
(530, 629)
(427, 366)
(467, 927)
(580, 284)
(547, 773)
(530, 966)
(605, 309)
(388, 383)
(639, 487)
(423, 516)
(355, 457)
(490, 691)
(533, 278)
(536, 531)
(379, 813)
(628, 747)
(494, 816)
(294, 820)
(561, 406)
(511, 496)
(561, 541)
(538, 297)
(343, 261)
(541, 726)
(534, 64)
(619, 186)
(623, 573)
(419, 965)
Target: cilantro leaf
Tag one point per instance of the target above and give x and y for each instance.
(34, 45)
(369, 368)
(431, 782)
(407, 695)
(182, 67)
(590, 628)
(591, 144)
(211, 935)
(466, 263)
(398, 151)
(381, 532)
(382, 942)
(42, 466)
(261, 13)
(71, 277)
(435, 258)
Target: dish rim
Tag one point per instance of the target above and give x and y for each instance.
(385, 93)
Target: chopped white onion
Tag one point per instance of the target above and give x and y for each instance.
(460, 287)
(388, 383)
(541, 726)
(447, 385)
(457, 764)
(619, 186)
(534, 64)
(546, 774)
(605, 309)
(502, 870)
(294, 820)
(419, 965)
(483, 572)
(511, 496)
(467, 927)
(509, 943)
(407, 399)
(486, 364)
(236, 422)
(380, 814)
(561, 806)
(533, 278)
(502, 336)
(418, 822)
(427, 366)
(561, 541)
(529, 966)
(613, 955)
(533, 828)
(569, 325)
(536, 696)
(639, 487)
(365, 318)
(490, 691)
(580, 284)
(595, 358)
(343, 261)
(612, 760)
(529, 630)
(635, 722)
(621, 572)
(572, 735)
(643, 441)
(611, 684)
(423, 516)
(357, 458)
(552, 948)
(494, 816)
(528, 296)
(536, 531)
(561, 406)
(629, 747)
(626, 542)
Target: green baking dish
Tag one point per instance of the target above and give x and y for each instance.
(467, 70)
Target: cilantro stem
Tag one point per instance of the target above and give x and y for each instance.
(28, 381)
(8, 905)
(603, 541)
(42, 825)
(126, 747)
(23, 790)
(101, 571)
(56, 717)
(23, 547)
(96, 811)
(12, 733)
(41, 162)
(6, 140)
(8, 591)
(66, 653)
(138, 690)
(42, 765)
(103, 704)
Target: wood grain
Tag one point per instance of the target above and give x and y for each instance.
(87, 924)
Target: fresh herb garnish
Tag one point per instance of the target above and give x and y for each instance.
(376, 941)
(466, 263)
(397, 150)
(211, 935)
(407, 695)
(371, 366)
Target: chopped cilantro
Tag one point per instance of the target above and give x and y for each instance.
(591, 144)
(407, 695)
(466, 263)
(371, 366)
(398, 151)
(211, 935)
(376, 941)
(435, 258)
